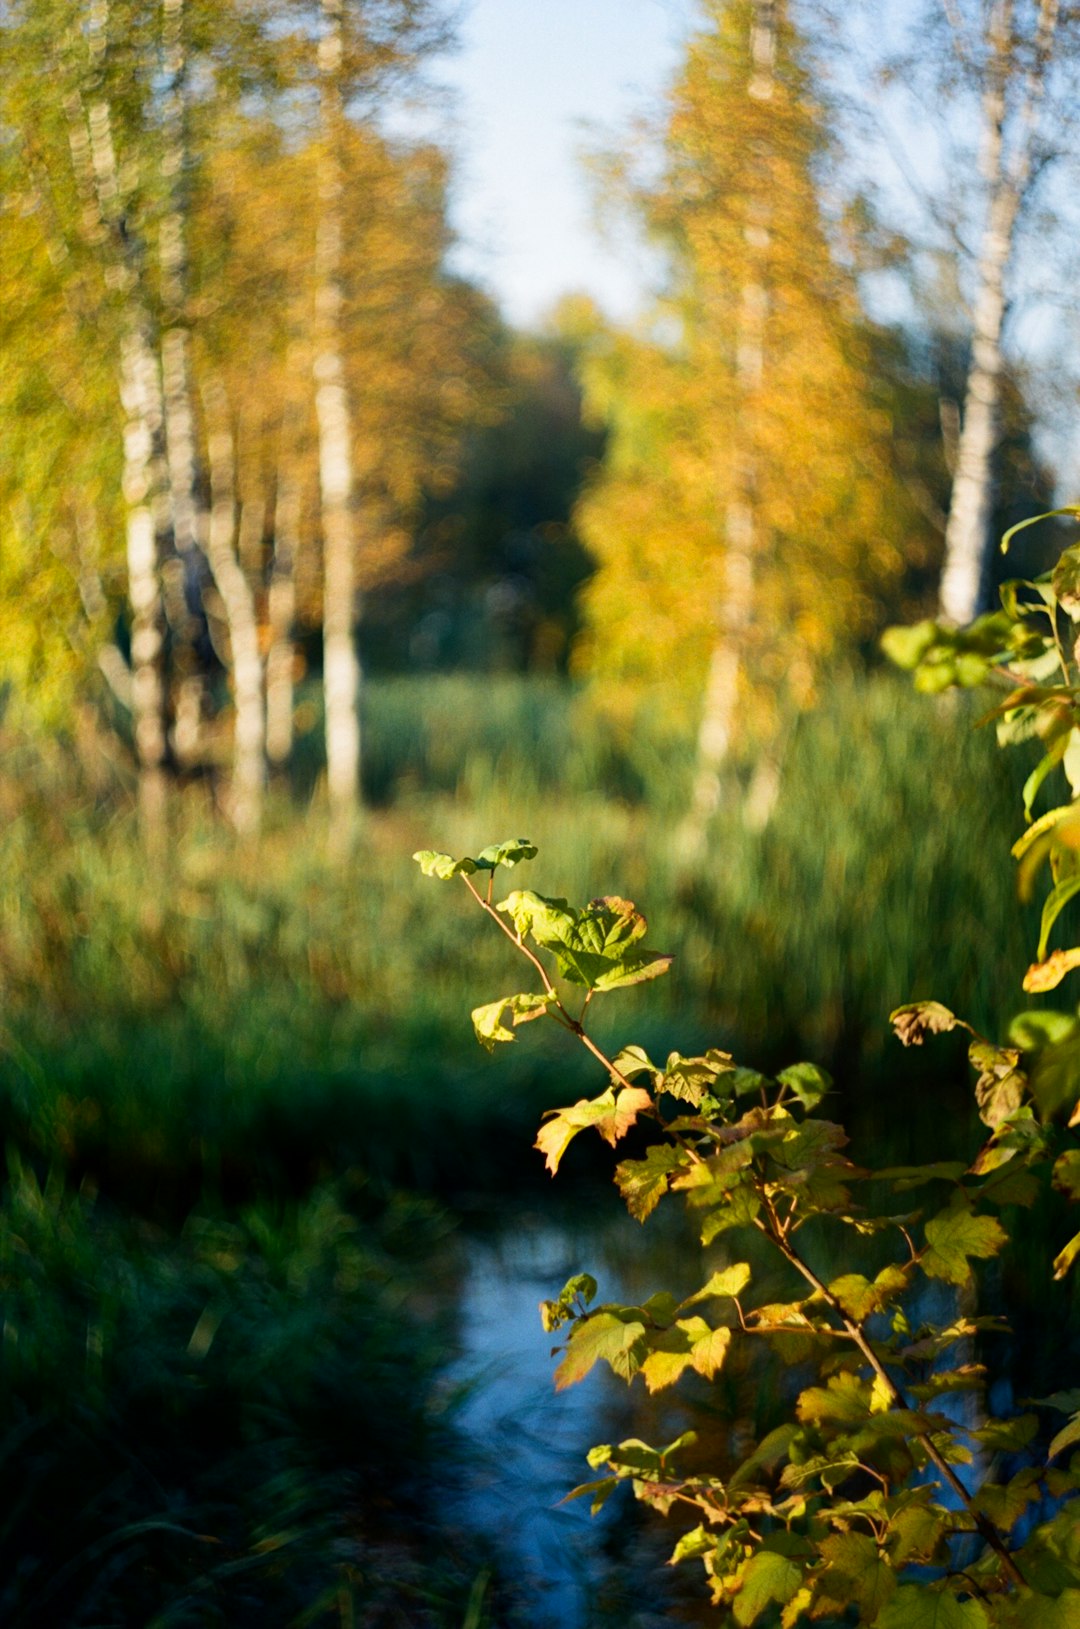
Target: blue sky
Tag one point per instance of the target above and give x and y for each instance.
(529, 77)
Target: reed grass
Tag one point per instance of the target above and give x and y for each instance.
(257, 1011)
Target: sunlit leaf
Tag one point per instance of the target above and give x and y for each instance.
(768, 1577)
(808, 1082)
(1065, 1438)
(956, 1235)
(643, 1183)
(602, 1338)
(522, 1009)
(443, 866)
(921, 1606)
(1065, 1257)
(611, 1114)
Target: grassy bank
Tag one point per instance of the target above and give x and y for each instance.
(222, 1364)
(258, 1016)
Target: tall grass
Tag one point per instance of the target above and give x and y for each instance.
(257, 1012)
(220, 1391)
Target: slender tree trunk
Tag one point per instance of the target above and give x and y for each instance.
(248, 777)
(281, 600)
(741, 523)
(965, 573)
(145, 476)
(140, 393)
(181, 573)
(341, 672)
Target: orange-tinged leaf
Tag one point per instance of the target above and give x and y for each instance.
(1048, 975)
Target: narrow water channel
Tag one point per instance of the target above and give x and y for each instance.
(575, 1571)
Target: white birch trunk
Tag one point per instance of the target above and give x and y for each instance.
(965, 572)
(742, 539)
(341, 672)
(244, 802)
(102, 191)
(180, 573)
(281, 604)
(141, 398)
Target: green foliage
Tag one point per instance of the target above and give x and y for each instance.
(225, 1420)
(854, 1505)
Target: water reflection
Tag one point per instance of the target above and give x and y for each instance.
(575, 1571)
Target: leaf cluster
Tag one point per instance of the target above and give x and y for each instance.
(877, 1498)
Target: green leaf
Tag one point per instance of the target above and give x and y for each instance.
(922, 1606)
(709, 1351)
(1040, 772)
(845, 1400)
(601, 1491)
(1045, 823)
(1056, 901)
(510, 853)
(745, 1081)
(668, 1357)
(690, 1078)
(698, 1542)
(741, 1208)
(636, 968)
(443, 866)
(1031, 1031)
(916, 1529)
(1066, 582)
(612, 1114)
(859, 1297)
(643, 1183)
(807, 1081)
(1005, 1505)
(594, 947)
(1066, 1173)
(488, 1020)
(1065, 1437)
(1021, 525)
(907, 646)
(1065, 1257)
(855, 1571)
(1007, 1436)
(603, 1337)
(768, 1577)
(955, 1235)
(1037, 1611)
(727, 1283)
(633, 1060)
(548, 920)
(919, 1019)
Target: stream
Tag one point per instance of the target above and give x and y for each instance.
(576, 1571)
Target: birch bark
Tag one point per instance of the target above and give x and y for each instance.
(281, 599)
(244, 803)
(103, 194)
(1007, 175)
(341, 673)
(741, 526)
(180, 573)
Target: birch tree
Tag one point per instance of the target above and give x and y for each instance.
(245, 794)
(108, 191)
(746, 465)
(181, 570)
(1007, 50)
(341, 675)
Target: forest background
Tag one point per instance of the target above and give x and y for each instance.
(310, 558)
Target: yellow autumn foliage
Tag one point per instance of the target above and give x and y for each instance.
(684, 418)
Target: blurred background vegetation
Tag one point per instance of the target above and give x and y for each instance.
(309, 559)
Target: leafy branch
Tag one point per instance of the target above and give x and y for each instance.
(793, 1529)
